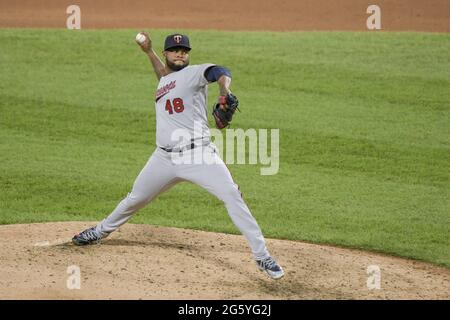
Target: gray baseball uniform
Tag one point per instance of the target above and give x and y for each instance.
(181, 106)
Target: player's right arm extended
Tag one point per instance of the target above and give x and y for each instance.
(158, 65)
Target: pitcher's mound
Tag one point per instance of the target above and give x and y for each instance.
(148, 262)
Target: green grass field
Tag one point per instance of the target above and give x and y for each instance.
(364, 123)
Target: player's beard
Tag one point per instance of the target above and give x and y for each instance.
(177, 67)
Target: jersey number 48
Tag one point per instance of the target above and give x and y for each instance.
(176, 105)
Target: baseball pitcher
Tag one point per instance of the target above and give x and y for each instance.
(182, 134)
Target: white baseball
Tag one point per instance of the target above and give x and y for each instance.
(140, 38)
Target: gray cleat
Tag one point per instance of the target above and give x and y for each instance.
(271, 267)
(88, 236)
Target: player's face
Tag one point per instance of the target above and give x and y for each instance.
(177, 58)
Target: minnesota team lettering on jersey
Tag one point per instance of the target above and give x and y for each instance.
(181, 103)
(161, 92)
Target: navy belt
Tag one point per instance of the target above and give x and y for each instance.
(188, 147)
(185, 148)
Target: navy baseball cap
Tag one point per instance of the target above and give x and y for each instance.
(177, 40)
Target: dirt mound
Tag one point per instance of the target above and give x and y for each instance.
(148, 262)
(402, 15)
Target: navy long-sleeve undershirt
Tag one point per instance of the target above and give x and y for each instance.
(213, 73)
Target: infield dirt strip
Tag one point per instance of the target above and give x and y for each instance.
(276, 15)
(148, 262)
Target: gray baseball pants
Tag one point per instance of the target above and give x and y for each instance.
(165, 169)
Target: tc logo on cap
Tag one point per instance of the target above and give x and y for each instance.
(177, 38)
